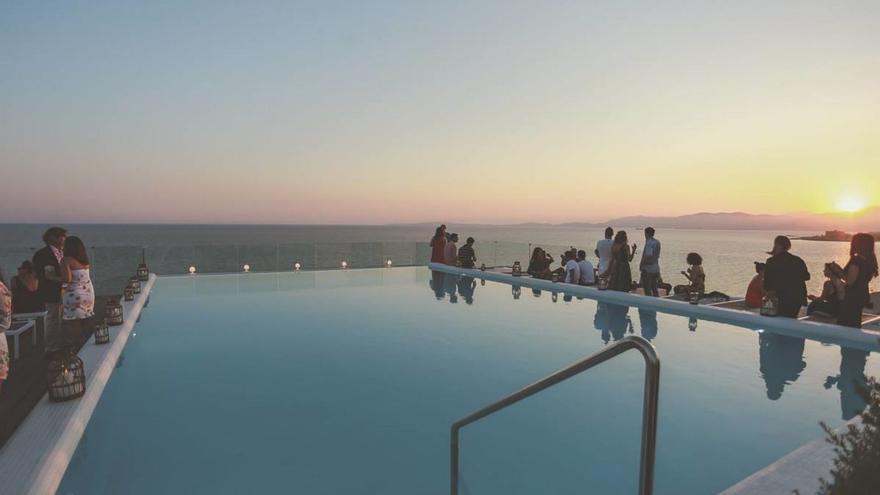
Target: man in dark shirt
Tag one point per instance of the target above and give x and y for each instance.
(466, 255)
(786, 275)
(47, 263)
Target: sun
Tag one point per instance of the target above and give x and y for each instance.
(850, 204)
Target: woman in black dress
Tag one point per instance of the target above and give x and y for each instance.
(619, 273)
(858, 272)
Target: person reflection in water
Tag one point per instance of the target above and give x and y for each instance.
(648, 322)
(466, 288)
(600, 321)
(781, 361)
(619, 321)
(450, 287)
(851, 377)
(436, 284)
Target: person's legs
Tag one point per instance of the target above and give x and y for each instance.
(52, 332)
(651, 281)
(789, 310)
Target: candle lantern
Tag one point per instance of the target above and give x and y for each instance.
(143, 273)
(694, 297)
(517, 269)
(388, 262)
(554, 277)
(102, 332)
(344, 264)
(602, 283)
(113, 313)
(483, 267)
(192, 270)
(297, 266)
(66, 376)
(246, 268)
(128, 293)
(770, 304)
(516, 291)
(135, 285)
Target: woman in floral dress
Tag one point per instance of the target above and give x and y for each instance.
(79, 295)
(5, 323)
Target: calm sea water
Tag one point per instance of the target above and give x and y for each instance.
(728, 255)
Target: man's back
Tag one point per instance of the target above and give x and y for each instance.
(572, 272)
(587, 275)
(786, 274)
(603, 247)
(651, 256)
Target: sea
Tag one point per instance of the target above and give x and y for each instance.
(728, 255)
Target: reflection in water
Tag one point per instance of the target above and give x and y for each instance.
(466, 287)
(612, 320)
(851, 377)
(781, 361)
(692, 324)
(648, 322)
(516, 291)
(449, 286)
(436, 283)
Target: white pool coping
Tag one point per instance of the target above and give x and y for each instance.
(863, 339)
(35, 458)
(799, 470)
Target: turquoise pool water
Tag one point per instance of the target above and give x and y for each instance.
(346, 382)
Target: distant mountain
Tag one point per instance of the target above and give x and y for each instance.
(868, 220)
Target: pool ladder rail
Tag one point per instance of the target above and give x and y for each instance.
(649, 408)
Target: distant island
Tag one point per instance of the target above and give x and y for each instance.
(833, 236)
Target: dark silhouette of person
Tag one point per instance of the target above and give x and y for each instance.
(619, 321)
(466, 288)
(648, 322)
(601, 321)
(781, 361)
(786, 275)
(848, 381)
(450, 287)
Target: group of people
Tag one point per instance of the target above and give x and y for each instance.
(782, 277)
(55, 280)
(845, 293)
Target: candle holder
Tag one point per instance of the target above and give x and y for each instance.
(102, 332)
(128, 294)
(66, 376)
(134, 284)
(113, 313)
(143, 273)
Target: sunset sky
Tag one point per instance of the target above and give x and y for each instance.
(375, 112)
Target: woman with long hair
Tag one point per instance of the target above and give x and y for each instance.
(79, 295)
(619, 273)
(857, 274)
(438, 245)
(539, 264)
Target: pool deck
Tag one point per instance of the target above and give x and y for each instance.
(34, 460)
(864, 339)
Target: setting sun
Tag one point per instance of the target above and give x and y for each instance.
(850, 204)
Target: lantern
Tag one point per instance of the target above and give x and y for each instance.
(128, 293)
(192, 270)
(143, 273)
(770, 304)
(555, 278)
(388, 262)
(66, 376)
(692, 324)
(694, 297)
(246, 268)
(135, 285)
(297, 266)
(344, 264)
(113, 313)
(516, 291)
(602, 283)
(517, 269)
(102, 332)
(554, 297)
(483, 267)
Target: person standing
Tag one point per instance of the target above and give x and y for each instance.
(47, 264)
(857, 274)
(78, 301)
(450, 256)
(619, 273)
(466, 256)
(5, 323)
(603, 250)
(786, 275)
(438, 245)
(650, 264)
(588, 275)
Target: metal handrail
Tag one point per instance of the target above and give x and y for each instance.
(649, 409)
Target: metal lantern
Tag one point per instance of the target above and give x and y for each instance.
(246, 268)
(297, 266)
(66, 376)
(554, 277)
(143, 273)
(388, 262)
(602, 283)
(344, 264)
(135, 285)
(554, 297)
(113, 313)
(692, 324)
(516, 291)
(517, 269)
(694, 297)
(483, 267)
(128, 293)
(192, 270)
(102, 332)
(770, 304)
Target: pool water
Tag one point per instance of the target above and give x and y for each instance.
(347, 382)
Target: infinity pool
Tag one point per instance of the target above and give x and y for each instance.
(346, 382)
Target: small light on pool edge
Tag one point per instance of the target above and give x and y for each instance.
(247, 267)
(388, 263)
(344, 264)
(192, 269)
(297, 266)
